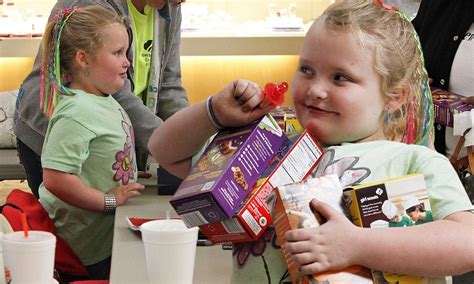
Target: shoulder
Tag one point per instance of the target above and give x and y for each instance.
(415, 155)
(409, 158)
(82, 106)
(174, 14)
(424, 154)
(407, 149)
(384, 146)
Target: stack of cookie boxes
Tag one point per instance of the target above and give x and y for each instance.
(292, 163)
(222, 195)
(226, 172)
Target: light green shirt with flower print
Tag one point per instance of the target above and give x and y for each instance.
(91, 137)
(360, 163)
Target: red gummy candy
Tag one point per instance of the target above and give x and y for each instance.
(275, 93)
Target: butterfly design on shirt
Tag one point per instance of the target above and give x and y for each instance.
(344, 168)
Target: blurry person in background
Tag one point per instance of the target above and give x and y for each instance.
(446, 33)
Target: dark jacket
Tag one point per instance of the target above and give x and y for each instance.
(441, 25)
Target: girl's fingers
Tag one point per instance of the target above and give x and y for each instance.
(298, 235)
(245, 90)
(312, 268)
(297, 247)
(254, 101)
(306, 258)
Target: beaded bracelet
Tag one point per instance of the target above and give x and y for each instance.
(212, 115)
(110, 203)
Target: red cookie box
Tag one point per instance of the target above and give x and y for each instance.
(293, 164)
(446, 104)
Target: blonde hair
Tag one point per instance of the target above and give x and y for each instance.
(67, 32)
(398, 59)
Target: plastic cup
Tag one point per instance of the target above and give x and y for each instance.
(29, 259)
(170, 250)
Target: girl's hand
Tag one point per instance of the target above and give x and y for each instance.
(124, 192)
(327, 247)
(238, 104)
(468, 100)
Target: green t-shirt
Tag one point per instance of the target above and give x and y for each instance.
(143, 45)
(429, 218)
(91, 137)
(405, 222)
(261, 261)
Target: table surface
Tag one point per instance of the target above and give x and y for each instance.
(212, 264)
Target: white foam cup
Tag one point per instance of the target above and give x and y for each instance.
(29, 259)
(2, 270)
(170, 249)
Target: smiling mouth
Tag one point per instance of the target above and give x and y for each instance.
(319, 110)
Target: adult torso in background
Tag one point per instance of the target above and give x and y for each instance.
(461, 80)
(445, 35)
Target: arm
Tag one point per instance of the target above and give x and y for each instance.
(468, 100)
(338, 244)
(63, 160)
(83, 196)
(184, 133)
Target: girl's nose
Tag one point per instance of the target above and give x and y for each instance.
(318, 90)
(126, 63)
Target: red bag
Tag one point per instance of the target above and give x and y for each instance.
(18, 201)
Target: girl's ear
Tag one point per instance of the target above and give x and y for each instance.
(397, 97)
(82, 58)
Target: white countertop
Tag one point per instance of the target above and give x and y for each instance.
(212, 265)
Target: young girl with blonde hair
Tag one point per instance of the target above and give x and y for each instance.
(361, 83)
(88, 158)
(361, 89)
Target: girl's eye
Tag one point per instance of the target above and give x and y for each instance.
(306, 70)
(341, 78)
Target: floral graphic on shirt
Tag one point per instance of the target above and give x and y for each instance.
(242, 251)
(124, 164)
(343, 168)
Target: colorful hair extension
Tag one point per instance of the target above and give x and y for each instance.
(51, 85)
(417, 134)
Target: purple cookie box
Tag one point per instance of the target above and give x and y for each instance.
(446, 104)
(211, 192)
